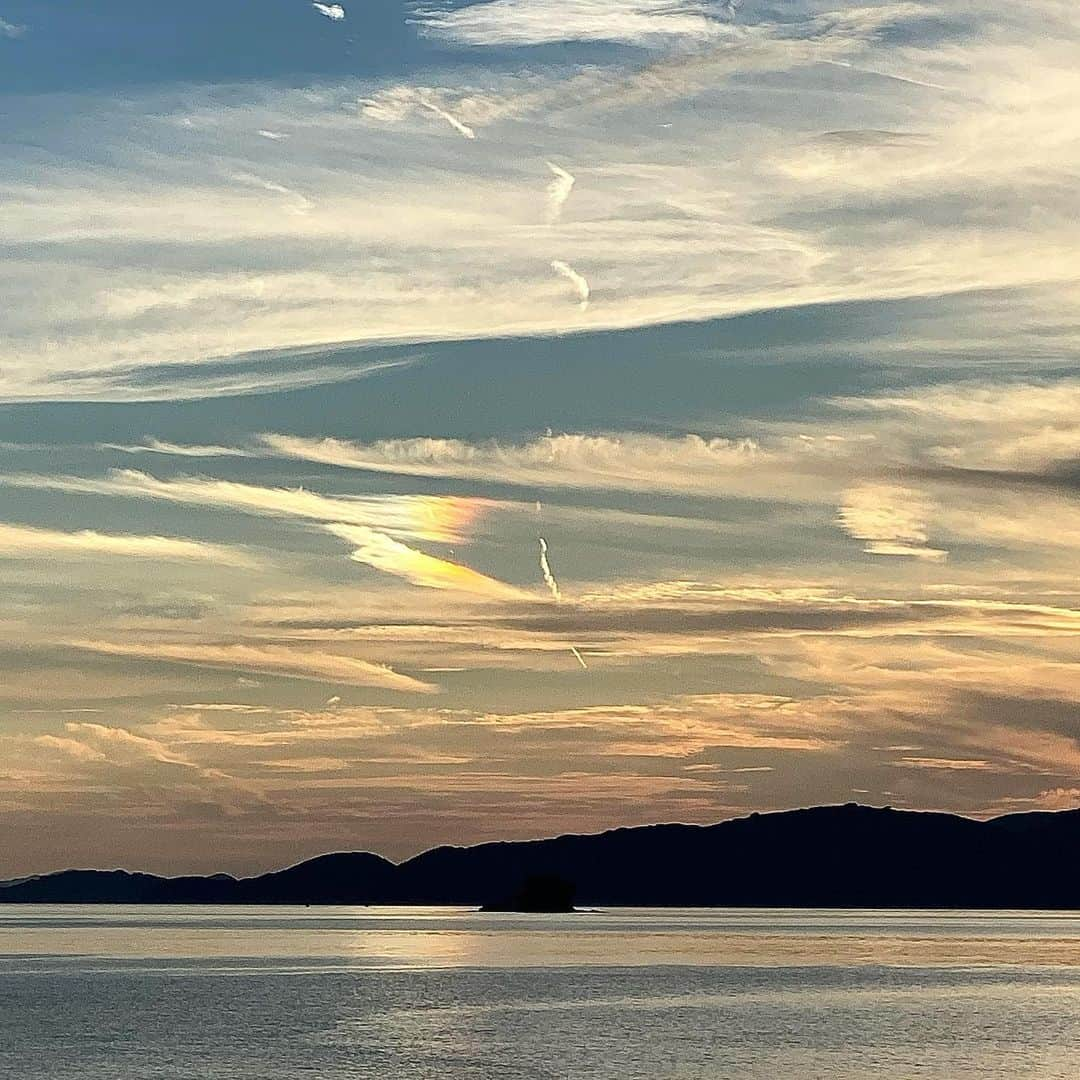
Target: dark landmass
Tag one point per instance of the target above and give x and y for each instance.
(828, 856)
(541, 894)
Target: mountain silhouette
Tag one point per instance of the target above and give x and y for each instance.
(827, 856)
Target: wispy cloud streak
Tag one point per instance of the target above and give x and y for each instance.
(266, 658)
(545, 570)
(424, 517)
(626, 461)
(442, 114)
(537, 22)
(558, 191)
(579, 281)
(24, 541)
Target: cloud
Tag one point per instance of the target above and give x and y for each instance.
(300, 204)
(1003, 425)
(268, 659)
(891, 518)
(29, 542)
(382, 552)
(462, 129)
(649, 23)
(168, 449)
(558, 191)
(947, 764)
(626, 461)
(334, 12)
(545, 570)
(423, 517)
(11, 30)
(580, 284)
(398, 103)
(224, 707)
(171, 265)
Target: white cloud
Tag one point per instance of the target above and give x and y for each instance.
(892, 519)
(538, 22)
(382, 552)
(425, 517)
(27, 542)
(462, 129)
(877, 189)
(332, 11)
(11, 30)
(578, 281)
(978, 424)
(626, 461)
(558, 191)
(545, 571)
(298, 203)
(169, 449)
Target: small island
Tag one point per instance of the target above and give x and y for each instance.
(538, 894)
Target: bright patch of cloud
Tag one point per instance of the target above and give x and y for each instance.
(539, 22)
(891, 519)
(334, 12)
(424, 517)
(545, 570)
(382, 552)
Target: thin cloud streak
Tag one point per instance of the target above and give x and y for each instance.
(579, 282)
(169, 449)
(558, 191)
(423, 517)
(619, 461)
(545, 570)
(267, 659)
(30, 542)
(442, 114)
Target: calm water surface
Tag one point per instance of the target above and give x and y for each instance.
(129, 993)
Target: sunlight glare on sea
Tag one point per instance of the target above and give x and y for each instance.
(278, 993)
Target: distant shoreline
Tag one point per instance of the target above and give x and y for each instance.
(829, 857)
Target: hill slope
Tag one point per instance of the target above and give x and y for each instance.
(828, 856)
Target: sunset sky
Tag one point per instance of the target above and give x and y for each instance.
(430, 422)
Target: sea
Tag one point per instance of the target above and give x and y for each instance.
(162, 993)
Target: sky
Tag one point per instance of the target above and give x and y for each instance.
(427, 422)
